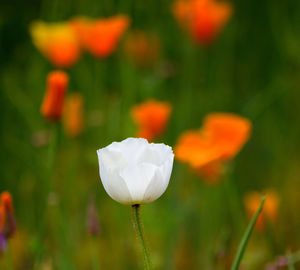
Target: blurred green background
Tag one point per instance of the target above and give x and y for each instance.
(252, 69)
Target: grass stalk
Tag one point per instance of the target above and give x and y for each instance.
(245, 238)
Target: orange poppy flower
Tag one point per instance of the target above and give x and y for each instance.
(203, 19)
(73, 115)
(52, 106)
(219, 140)
(142, 48)
(58, 42)
(270, 211)
(101, 36)
(151, 118)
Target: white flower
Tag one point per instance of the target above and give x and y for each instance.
(134, 171)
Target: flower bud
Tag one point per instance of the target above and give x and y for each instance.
(52, 106)
(9, 225)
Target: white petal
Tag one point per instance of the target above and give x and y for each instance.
(131, 148)
(137, 179)
(166, 169)
(159, 182)
(156, 153)
(155, 188)
(112, 182)
(111, 158)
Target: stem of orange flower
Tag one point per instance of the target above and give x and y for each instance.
(47, 186)
(50, 165)
(52, 150)
(246, 236)
(234, 201)
(270, 237)
(9, 265)
(290, 262)
(139, 230)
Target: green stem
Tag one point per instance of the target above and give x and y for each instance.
(246, 236)
(52, 149)
(9, 263)
(296, 257)
(290, 262)
(47, 188)
(234, 201)
(50, 165)
(139, 230)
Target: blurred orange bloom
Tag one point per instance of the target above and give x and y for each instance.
(52, 106)
(219, 140)
(203, 19)
(151, 118)
(100, 36)
(73, 115)
(2, 217)
(57, 41)
(7, 219)
(142, 48)
(6, 201)
(230, 131)
(270, 210)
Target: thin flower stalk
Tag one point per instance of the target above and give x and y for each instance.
(139, 230)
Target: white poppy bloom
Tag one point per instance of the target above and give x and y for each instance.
(134, 171)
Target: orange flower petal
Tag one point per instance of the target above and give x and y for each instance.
(229, 131)
(101, 36)
(195, 149)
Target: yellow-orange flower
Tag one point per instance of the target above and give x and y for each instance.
(270, 210)
(203, 19)
(52, 106)
(219, 140)
(100, 36)
(142, 48)
(151, 118)
(58, 42)
(73, 115)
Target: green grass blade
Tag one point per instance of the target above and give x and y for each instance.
(246, 236)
